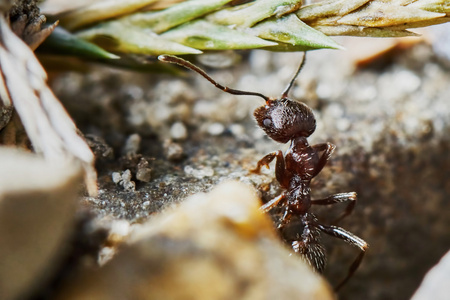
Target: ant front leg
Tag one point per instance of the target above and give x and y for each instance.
(352, 240)
(267, 159)
(272, 203)
(281, 173)
(328, 149)
(339, 198)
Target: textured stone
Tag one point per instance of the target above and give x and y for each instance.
(213, 246)
(435, 284)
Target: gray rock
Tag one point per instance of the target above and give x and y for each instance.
(143, 172)
(435, 285)
(6, 111)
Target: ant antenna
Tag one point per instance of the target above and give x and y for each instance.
(286, 91)
(179, 61)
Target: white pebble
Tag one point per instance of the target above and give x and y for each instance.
(216, 129)
(178, 131)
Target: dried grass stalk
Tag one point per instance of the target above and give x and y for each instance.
(49, 127)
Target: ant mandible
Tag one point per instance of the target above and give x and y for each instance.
(285, 120)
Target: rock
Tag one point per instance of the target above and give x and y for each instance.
(212, 246)
(124, 179)
(173, 151)
(132, 145)
(99, 147)
(435, 284)
(37, 211)
(6, 111)
(178, 131)
(216, 128)
(143, 172)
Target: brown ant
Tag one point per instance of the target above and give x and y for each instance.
(286, 120)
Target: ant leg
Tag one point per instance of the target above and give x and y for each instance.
(352, 240)
(281, 173)
(286, 218)
(266, 160)
(328, 149)
(272, 203)
(339, 198)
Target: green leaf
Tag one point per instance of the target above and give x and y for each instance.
(207, 36)
(248, 15)
(119, 37)
(64, 43)
(175, 15)
(292, 31)
(99, 11)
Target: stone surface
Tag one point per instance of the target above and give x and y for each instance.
(38, 203)
(435, 284)
(212, 246)
(6, 112)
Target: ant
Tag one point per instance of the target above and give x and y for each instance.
(285, 120)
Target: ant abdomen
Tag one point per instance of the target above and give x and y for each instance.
(306, 241)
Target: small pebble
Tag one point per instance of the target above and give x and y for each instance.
(173, 151)
(132, 144)
(216, 129)
(178, 131)
(124, 180)
(99, 147)
(116, 177)
(199, 173)
(343, 125)
(143, 172)
(129, 186)
(105, 254)
(119, 229)
(133, 91)
(126, 175)
(237, 130)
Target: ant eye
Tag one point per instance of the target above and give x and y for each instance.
(267, 122)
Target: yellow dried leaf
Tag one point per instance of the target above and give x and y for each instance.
(378, 14)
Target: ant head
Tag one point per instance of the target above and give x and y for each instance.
(284, 119)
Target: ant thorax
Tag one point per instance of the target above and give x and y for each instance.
(302, 159)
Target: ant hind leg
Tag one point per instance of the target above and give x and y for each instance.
(339, 198)
(352, 240)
